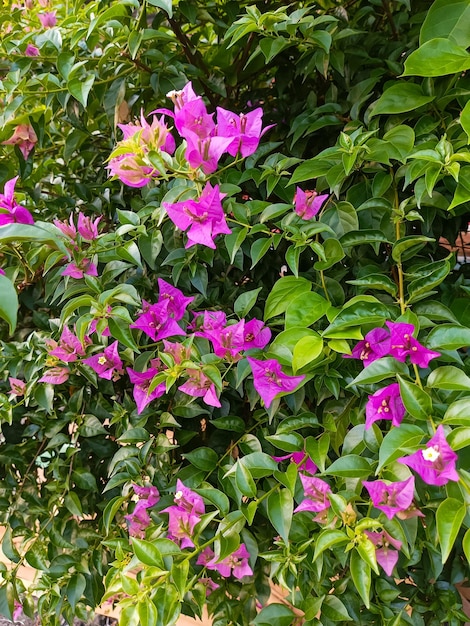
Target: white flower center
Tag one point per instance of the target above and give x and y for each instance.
(431, 454)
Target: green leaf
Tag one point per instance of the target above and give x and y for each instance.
(272, 47)
(447, 19)
(283, 293)
(245, 302)
(420, 286)
(448, 337)
(358, 314)
(400, 98)
(376, 281)
(306, 350)
(148, 553)
(361, 576)
(231, 422)
(289, 442)
(147, 612)
(280, 507)
(258, 249)
(448, 377)
(166, 5)
(350, 466)
(459, 438)
(234, 241)
(332, 608)
(203, 458)
(80, 87)
(417, 402)
(379, 370)
(465, 119)
(341, 218)
(275, 613)
(462, 193)
(306, 309)
(449, 517)
(328, 538)
(402, 139)
(75, 589)
(8, 547)
(466, 544)
(8, 302)
(437, 57)
(333, 251)
(398, 442)
(244, 480)
(409, 246)
(458, 413)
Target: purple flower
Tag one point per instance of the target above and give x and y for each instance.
(387, 404)
(130, 170)
(205, 152)
(67, 228)
(87, 229)
(155, 136)
(245, 130)
(436, 463)
(391, 498)
(308, 203)
(386, 557)
(211, 320)
(107, 364)
(200, 386)
(269, 379)
(55, 376)
(209, 584)
(375, 345)
(31, 51)
(178, 351)
(256, 335)
(177, 302)
(139, 519)
(48, 19)
(228, 341)
(17, 610)
(184, 515)
(69, 347)
(10, 211)
(236, 563)
(141, 382)
(156, 322)
(403, 344)
(193, 119)
(301, 459)
(79, 269)
(204, 218)
(316, 494)
(2, 272)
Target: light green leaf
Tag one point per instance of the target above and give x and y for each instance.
(447, 19)
(357, 314)
(417, 402)
(283, 293)
(306, 309)
(398, 442)
(280, 507)
(245, 302)
(333, 609)
(306, 350)
(449, 517)
(448, 337)
(458, 413)
(437, 57)
(166, 5)
(449, 377)
(361, 576)
(328, 538)
(400, 98)
(350, 466)
(409, 246)
(465, 119)
(379, 370)
(8, 302)
(462, 193)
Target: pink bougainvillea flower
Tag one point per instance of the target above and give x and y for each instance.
(10, 211)
(17, 386)
(184, 515)
(235, 564)
(48, 19)
(107, 364)
(79, 269)
(200, 386)
(24, 137)
(55, 376)
(130, 170)
(193, 119)
(384, 543)
(2, 272)
(139, 519)
(67, 228)
(308, 203)
(31, 51)
(386, 404)
(301, 459)
(375, 345)
(256, 335)
(391, 497)
(177, 301)
(211, 320)
(87, 229)
(69, 347)
(269, 379)
(436, 463)
(154, 136)
(228, 341)
(209, 584)
(156, 322)
(17, 610)
(205, 152)
(245, 129)
(203, 218)
(403, 344)
(316, 494)
(183, 96)
(141, 382)
(178, 351)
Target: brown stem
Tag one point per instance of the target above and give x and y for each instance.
(389, 16)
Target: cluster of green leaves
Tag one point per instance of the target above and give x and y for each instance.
(370, 102)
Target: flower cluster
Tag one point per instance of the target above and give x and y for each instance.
(184, 515)
(85, 230)
(10, 211)
(139, 519)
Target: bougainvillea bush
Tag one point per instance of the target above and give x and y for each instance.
(233, 344)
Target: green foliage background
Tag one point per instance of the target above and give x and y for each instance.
(370, 101)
